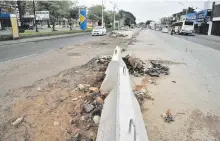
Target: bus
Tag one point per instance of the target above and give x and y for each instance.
(183, 27)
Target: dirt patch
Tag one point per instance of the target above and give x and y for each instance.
(49, 109)
(210, 124)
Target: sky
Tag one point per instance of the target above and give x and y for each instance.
(147, 9)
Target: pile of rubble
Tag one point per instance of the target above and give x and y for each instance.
(117, 34)
(137, 67)
(143, 94)
(88, 111)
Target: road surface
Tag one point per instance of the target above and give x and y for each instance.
(191, 91)
(205, 40)
(13, 51)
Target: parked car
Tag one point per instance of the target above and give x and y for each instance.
(157, 29)
(165, 30)
(99, 30)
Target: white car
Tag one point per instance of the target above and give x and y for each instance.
(99, 30)
(165, 30)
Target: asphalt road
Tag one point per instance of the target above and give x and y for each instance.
(191, 88)
(14, 51)
(205, 40)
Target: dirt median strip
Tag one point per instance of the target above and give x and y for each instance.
(50, 109)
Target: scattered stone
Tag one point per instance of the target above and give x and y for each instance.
(69, 131)
(99, 100)
(56, 123)
(72, 121)
(151, 82)
(97, 111)
(88, 108)
(174, 81)
(136, 75)
(64, 81)
(70, 139)
(17, 121)
(168, 117)
(92, 136)
(78, 137)
(164, 115)
(85, 117)
(96, 119)
(79, 97)
(169, 112)
(104, 93)
(74, 90)
(81, 87)
(38, 88)
(100, 77)
(144, 90)
(74, 99)
(94, 89)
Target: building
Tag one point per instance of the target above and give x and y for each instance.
(215, 30)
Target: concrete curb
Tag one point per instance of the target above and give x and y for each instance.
(35, 39)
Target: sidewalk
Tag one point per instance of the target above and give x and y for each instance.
(40, 38)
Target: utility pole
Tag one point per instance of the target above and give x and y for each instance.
(102, 12)
(114, 15)
(36, 25)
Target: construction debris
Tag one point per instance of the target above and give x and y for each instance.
(117, 34)
(56, 123)
(96, 119)
(94, 89)
(168, 116)
(143, 94)
(137, 67)
(157, 69)
(88, 108)
(17, 121)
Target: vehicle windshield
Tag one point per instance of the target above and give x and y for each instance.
(98, 27)
(188, 23)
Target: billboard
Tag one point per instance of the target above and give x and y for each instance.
(42, 15)
(192, 17)
(83, 19)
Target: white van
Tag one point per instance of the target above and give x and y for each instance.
(184, 27)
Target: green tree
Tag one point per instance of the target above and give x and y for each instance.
(94, 13)
(57, 10)
(73, 14)
(129, 18)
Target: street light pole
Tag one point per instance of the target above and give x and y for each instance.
(183, 6)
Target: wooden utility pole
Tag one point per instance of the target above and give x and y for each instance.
(36, 24)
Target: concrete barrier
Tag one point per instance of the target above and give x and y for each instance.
(121, 118)
(111, 72)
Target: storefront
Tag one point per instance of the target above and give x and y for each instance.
(216, 20)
